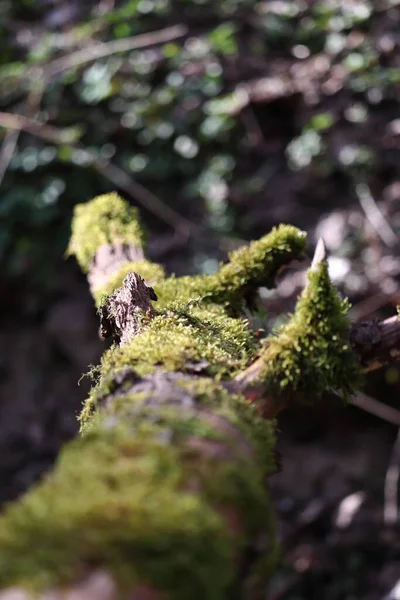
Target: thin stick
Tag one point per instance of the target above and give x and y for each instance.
(10, 141)
(376, 408)
(375, 343)
(391, 510)
(86, 55)
(7, 151)
(18, 122)
(374, 215)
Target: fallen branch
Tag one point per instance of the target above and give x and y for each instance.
(164, 494)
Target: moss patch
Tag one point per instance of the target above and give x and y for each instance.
(248, 268)
(311, 355)
(120, 499)
(106, 219)
(251, 266)
(184, 335)
(259, 432)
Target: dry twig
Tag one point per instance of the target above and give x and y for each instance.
(89, 54)
(374, 215)
(376, 408)
(391, 507)
(7, 151)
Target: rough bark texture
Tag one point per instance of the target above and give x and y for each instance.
(164, 494)
(122, 314)
(108, 260)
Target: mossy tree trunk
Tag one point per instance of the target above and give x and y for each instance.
(164, 494)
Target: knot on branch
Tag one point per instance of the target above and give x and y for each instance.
(127, 310)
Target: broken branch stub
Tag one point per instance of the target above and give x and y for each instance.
(127, 310)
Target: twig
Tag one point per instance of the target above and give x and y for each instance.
(319, 255)
(11, 138)
(18, 123)
(374, 215)
(369, 305)
(391, 509)
(374, 407)
(7, 151)
(86, 55)
(375, 343)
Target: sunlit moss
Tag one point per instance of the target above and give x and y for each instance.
(247, 269)
(106, 219)
(119, 499)
(255, 265)
(259, 432)
(109, 219)
(209, 394)
(182, 335)
(311, 355)
(149, 271)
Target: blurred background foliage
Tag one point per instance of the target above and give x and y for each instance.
(249, 102)
(219, 119)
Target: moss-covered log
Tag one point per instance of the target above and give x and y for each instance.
(163, 495)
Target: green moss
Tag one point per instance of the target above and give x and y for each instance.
(248, 268)
(151, 273)
(121, 500)
(259, 432)
(109, 219)
(251, 266)
(236, 408)
(183, 335)
(180, 289)
(138, 494)
(106, 219)
(311, 355)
